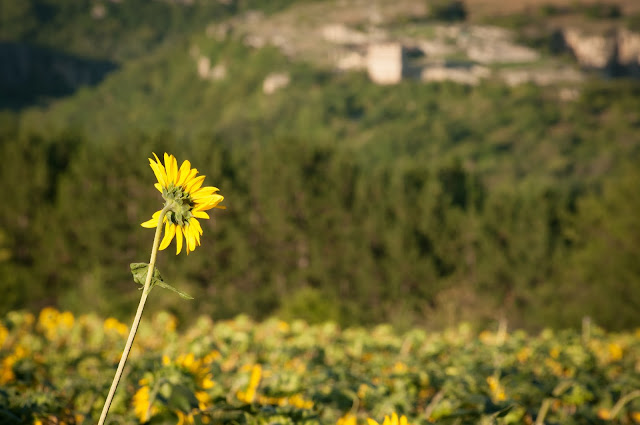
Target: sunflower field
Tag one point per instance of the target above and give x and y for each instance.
(55, 368)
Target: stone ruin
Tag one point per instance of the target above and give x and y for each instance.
(613, 53)
(386, 63)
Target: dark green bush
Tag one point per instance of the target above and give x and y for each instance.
(447, 10)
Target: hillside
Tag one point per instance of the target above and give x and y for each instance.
(423, 200)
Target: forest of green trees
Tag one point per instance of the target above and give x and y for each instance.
(417, 204)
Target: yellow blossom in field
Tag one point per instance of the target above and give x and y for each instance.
(362, 391)
(615, 351)
(77, 418)
(187, 361)
(184, 419)
(171, 324)
(113, 325)
(197, 367)
(66, 320)
(300, 402)
(296, 364)
(524, 354)
(497, 391)
(6, 369)
(635, 416)
(366, 357)
(211, 357)
(487, 337)
(556, 368)
(295, 400)
(390, 420)
(189, 418)
(28, 319)
(348, 419)
(283, 326)
(4, 333)
(249, 395)
(182, 190)
(400, 367)
(604, 414)
(203, 399)
(55, 323)
(48, 321)
(142, 403)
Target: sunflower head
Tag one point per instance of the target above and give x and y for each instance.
(186, 200)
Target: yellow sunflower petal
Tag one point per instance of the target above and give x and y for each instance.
(203, 192)
(190, 239)
(194, 184)
(190, 176)
(150, 224)
(169, 232)
(158, 186)
(174, 169)
(184, 172)
(187, 235)
(160, 176)
(159, 170)
(195, 231)
(178, 239)
(196, 225)
(200, 214)
(171, 164)
(208, 203)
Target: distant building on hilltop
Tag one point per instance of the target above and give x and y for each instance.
(386, 62)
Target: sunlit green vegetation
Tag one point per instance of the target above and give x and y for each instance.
(56, 368)
(415, 204)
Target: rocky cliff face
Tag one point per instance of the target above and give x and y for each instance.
(615, 53)
(629, 51)
(351, 38)
(28, 74)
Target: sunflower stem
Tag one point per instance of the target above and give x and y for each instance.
(136, 320)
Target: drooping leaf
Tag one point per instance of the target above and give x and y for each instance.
(139, 272)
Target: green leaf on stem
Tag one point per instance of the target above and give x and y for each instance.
(140, 270)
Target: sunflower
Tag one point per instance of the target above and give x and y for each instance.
(186, 200)
(391, 420)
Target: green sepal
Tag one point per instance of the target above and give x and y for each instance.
(139, 272)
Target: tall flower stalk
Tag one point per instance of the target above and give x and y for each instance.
(186, 201)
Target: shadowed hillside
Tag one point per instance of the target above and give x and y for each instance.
(30, 75)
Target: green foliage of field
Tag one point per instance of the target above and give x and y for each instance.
(56, 368)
